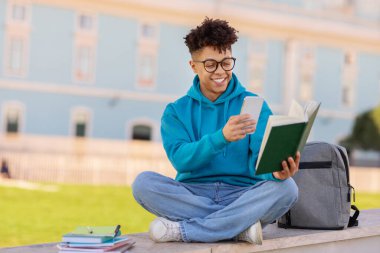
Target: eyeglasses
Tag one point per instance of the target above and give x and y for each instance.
(211, 65)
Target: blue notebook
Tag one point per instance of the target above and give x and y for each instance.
(116, 241)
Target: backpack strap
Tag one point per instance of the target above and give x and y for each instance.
(288, 219)
(353, 222)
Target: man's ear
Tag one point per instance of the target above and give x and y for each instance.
(192, 65)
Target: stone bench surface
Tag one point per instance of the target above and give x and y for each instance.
(275, 239)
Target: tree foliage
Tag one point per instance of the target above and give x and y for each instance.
(366, 131)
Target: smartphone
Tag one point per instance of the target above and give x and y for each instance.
(252, 106)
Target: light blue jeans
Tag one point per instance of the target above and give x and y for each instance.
(210, 212)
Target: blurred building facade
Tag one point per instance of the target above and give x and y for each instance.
(105, 69)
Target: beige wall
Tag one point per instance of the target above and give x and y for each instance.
(365, 179)
(70, 160)
(266, 19)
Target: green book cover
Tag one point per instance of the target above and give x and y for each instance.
(284, 136)
(282, 142)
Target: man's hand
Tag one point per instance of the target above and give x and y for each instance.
(233, 130)
(289, 168)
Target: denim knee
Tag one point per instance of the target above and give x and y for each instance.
(289, 192)
(139, 186)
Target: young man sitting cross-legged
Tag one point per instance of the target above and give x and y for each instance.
(216, 194)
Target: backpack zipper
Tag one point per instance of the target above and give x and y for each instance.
(343, 155)
(349, 193)
(315, 165)
(346, 168)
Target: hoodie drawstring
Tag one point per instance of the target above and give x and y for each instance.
(200, 119)
(226, 104)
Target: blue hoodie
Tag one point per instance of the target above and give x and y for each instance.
(191, 130)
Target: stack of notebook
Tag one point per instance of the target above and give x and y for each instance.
(95, 239)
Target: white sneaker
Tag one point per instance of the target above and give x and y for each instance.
(163, 230)
(253, 234)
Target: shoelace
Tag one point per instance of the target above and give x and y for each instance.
(172, 231)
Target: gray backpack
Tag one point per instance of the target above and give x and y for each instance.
(323, 180)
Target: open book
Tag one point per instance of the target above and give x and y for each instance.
(285, 135)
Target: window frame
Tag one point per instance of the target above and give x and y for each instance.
(147, 46)
(142, 82)
(85, 39)
(349, 78)
(20, 107)
(73, 121)
(307, 67)
(87, 78)
(82, 30)
(17, 29)
(26, 4)
(24, 55)
(155, 135)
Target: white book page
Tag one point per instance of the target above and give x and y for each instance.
(285, 120)
(310, 108)
(265, 138)
(296, 110)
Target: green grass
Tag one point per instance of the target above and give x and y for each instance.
(31, 216)
(35, 216)
(367, 200)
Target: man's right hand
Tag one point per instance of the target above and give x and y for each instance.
(238, 126)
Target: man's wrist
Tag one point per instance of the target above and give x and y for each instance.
(218, 140)
(224, 136)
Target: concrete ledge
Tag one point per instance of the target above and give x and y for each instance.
(365, 238)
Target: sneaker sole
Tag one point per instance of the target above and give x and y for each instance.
(259, 231)
(152, 224)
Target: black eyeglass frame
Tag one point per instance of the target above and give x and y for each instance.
(218, 63)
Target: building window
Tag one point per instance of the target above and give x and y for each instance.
(148, 31)
(86, 22)
(16, 56)
(141, 132)
(13, 120)
(19, 13)
(257, 65)
(147, 55)
(17, 30)
(146, 70)
(81, 121)
(84, 63)
(306, 73)
(85, 43)
(348, 78)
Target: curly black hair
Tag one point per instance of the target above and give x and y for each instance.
(212, 32)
